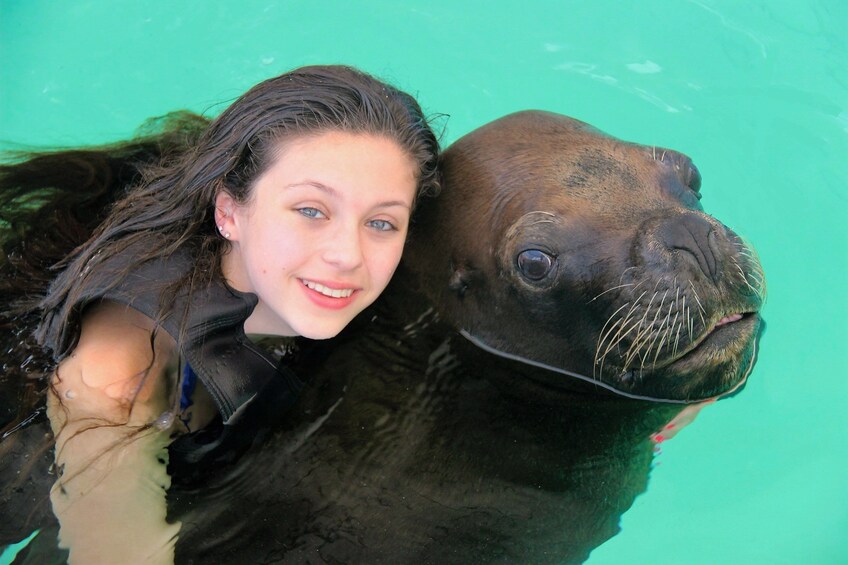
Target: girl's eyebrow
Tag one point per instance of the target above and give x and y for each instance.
(333, 192)
(320, 186)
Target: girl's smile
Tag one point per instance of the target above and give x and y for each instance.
(327, 295)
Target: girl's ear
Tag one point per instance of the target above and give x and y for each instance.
(225, 207)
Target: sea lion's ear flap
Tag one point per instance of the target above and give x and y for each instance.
(461, 280)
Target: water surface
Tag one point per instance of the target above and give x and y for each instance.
(755, 92)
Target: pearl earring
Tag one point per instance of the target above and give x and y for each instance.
(226, 234)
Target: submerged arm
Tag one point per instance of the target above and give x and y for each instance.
(104, 399)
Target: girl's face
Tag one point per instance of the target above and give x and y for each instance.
(322, 232)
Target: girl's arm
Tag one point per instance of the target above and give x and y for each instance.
(104, 399)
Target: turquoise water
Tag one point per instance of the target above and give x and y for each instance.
(755, 92)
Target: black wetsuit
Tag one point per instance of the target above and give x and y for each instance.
(248, 386)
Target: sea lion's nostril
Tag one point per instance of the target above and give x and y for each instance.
(691, 233)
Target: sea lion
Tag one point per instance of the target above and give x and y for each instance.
(442, 426)
(566, 247)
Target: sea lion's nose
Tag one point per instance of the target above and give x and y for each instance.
(691, 233)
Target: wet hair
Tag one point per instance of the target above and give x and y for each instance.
(50, 203)
(62, 212)
(173, 207)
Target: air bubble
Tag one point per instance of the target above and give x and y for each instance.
(165, 421)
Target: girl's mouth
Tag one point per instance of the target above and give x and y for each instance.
(327, 291)
(324, 296)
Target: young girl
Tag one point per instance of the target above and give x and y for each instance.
(286, 217)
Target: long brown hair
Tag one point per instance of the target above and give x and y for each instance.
(173, 207)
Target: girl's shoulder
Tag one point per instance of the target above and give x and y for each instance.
(117, 361)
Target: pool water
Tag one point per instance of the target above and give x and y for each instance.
(755, 92)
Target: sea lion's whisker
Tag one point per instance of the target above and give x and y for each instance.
(603, 337)
(646, 351)
(650, 303)
(659, 330)
(635, 305)
(642, 336)
(701, 310)
(758, 270)
(677, 299)
(759, 283)
(618, 338)
(746, 252)
(616, 341)
(677, 337)
(738, 266)
(654, 331)
(650, 327)
(624, 272)
(754, 289)
(741, 272)
(758, 277)
(690, 323)
(610, 290)
(754, 271)
(678, 312)
(603, 329)
(636, 345)
(666, 333)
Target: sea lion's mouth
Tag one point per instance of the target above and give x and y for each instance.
(720, 341)
(729, 320)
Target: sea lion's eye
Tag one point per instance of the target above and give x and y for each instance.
(534, 264)
(693, 180)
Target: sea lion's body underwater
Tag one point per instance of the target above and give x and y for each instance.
(562, 299)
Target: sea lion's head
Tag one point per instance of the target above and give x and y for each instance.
(567, 248)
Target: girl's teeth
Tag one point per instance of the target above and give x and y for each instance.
(332, 292)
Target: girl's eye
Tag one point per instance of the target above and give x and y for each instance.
(311, 212)
(382, 225)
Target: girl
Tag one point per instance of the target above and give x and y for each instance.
(286, 217)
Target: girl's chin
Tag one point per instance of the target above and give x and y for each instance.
(323, 329)
(303, 320)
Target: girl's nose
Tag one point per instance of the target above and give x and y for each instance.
(344, 249)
